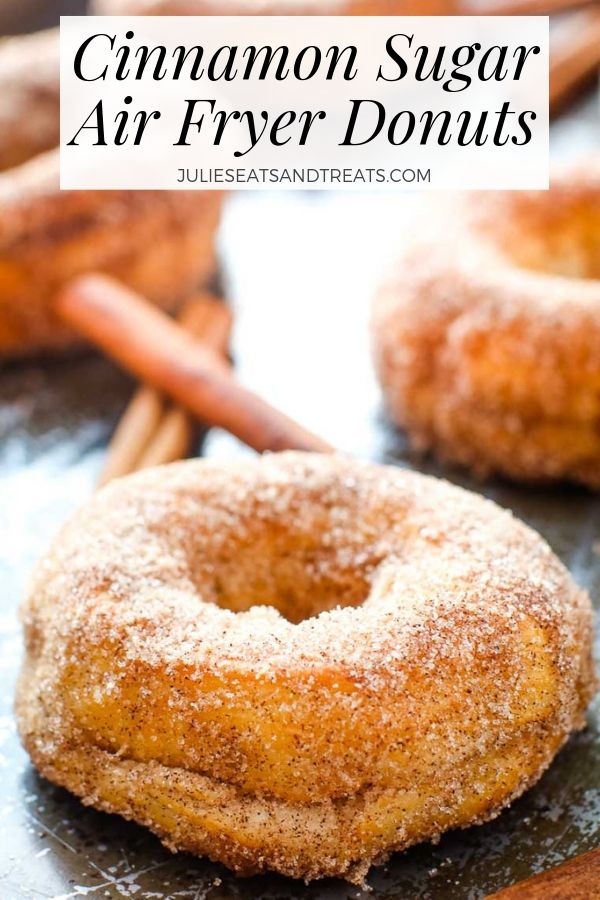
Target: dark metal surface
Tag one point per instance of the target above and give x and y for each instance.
(300, 271)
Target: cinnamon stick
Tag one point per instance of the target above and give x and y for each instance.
(156, 349)
(576, 60)
(210, 321)
(148, 434)
(172, 440)
(576, 879)
(134, 431)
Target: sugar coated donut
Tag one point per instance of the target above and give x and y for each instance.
(159, 242)
(487, 334)
(300, 662)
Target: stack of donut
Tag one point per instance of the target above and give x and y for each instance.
(160, 243)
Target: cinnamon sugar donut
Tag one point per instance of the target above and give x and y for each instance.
(161, 243)
(299, 662)
(487, 334)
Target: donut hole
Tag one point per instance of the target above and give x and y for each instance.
(299, 586)
(561, 239)
(300, 575)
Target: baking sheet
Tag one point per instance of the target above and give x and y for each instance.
(300, 271)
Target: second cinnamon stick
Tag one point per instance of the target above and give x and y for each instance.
(210, 321)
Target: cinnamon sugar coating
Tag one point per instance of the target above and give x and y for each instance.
(487, 334)
(160, 243)
(299, 662)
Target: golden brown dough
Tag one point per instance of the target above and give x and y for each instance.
(178, 671)
(487, 334)
(29, 96)
(161, 243)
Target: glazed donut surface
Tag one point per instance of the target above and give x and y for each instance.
(300, 662)
(487, 334)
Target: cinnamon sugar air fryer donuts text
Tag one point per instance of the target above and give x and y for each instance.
(455, 67)
(121, 58)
